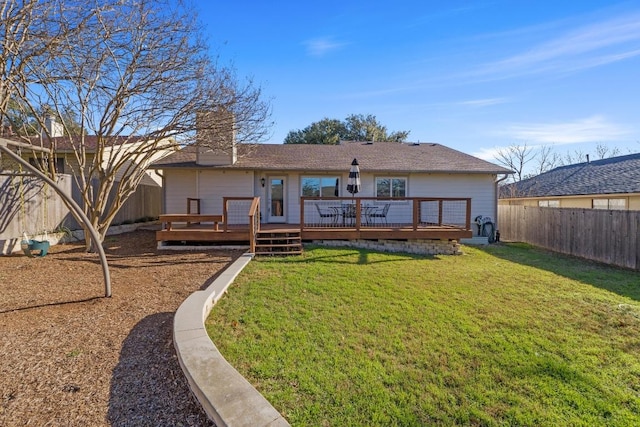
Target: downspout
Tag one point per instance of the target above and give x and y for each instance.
(72, 204)
(506, 175)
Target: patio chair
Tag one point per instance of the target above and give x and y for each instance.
(326, 214)
(380, 213)
(348, 212)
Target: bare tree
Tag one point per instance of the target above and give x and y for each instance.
(516, 158)
(24, 40)
(546, 159)
(577, 156)
(134, 74)
(604, 152)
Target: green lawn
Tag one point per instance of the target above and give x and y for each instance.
(506, 335)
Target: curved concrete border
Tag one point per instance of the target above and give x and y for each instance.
(226, 396)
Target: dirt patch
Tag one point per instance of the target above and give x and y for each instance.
(72, 357)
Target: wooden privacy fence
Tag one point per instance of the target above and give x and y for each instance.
(28, 205)
(608, 236)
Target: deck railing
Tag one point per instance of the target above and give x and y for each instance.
(237, 212)
(371, 213)
(254, 223)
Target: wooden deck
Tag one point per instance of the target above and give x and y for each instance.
(207, 233)
(329, 219)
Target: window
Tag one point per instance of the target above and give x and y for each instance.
(391, 187)
(326, 186)
(59, 163)
(617, 204)
(549, 203)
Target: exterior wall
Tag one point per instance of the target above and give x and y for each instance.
(293, 197)
(214, 185)
(480, 188)
(580, 202)
(164, 148)
(178, 186)
(211, 185)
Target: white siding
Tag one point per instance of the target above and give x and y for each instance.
(293, 198)
(179, 185)
(211, 186)
(480, 188)
(214, 185)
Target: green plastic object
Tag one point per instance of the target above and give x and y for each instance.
(33, 248)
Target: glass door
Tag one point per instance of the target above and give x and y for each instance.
(277, 201)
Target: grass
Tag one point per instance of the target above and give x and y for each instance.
(502, 336)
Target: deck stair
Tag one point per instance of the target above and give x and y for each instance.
(280, 242)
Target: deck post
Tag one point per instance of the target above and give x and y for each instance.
(416, 213)
(254, 223)
(440, 203)
(468, 214)
(224, 213)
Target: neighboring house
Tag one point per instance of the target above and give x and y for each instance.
(281, 174)
(65, 153)
(612, 183)
(66, 161)
(139, 205)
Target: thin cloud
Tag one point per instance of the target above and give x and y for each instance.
(588, 46)
(320, 47)
(483, 102)
(536, 135)
(591, 129)
(488, 154)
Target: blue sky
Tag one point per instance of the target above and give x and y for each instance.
(472, 75)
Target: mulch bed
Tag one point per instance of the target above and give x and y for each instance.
(72, 357)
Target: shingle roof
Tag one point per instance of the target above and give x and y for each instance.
(372, 157)
(614, 175)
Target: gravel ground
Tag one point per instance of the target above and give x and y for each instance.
(73, 358)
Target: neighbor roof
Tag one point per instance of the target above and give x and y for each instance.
(615, 175)
(372, 157)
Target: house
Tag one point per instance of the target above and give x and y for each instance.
(405, 188)
(612, 183)
(116, 151)
(65, 149)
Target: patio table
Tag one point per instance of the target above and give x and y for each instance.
(349, 212)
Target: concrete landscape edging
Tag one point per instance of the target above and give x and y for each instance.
(226, 396)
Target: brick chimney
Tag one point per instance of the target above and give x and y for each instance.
(215, 138)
